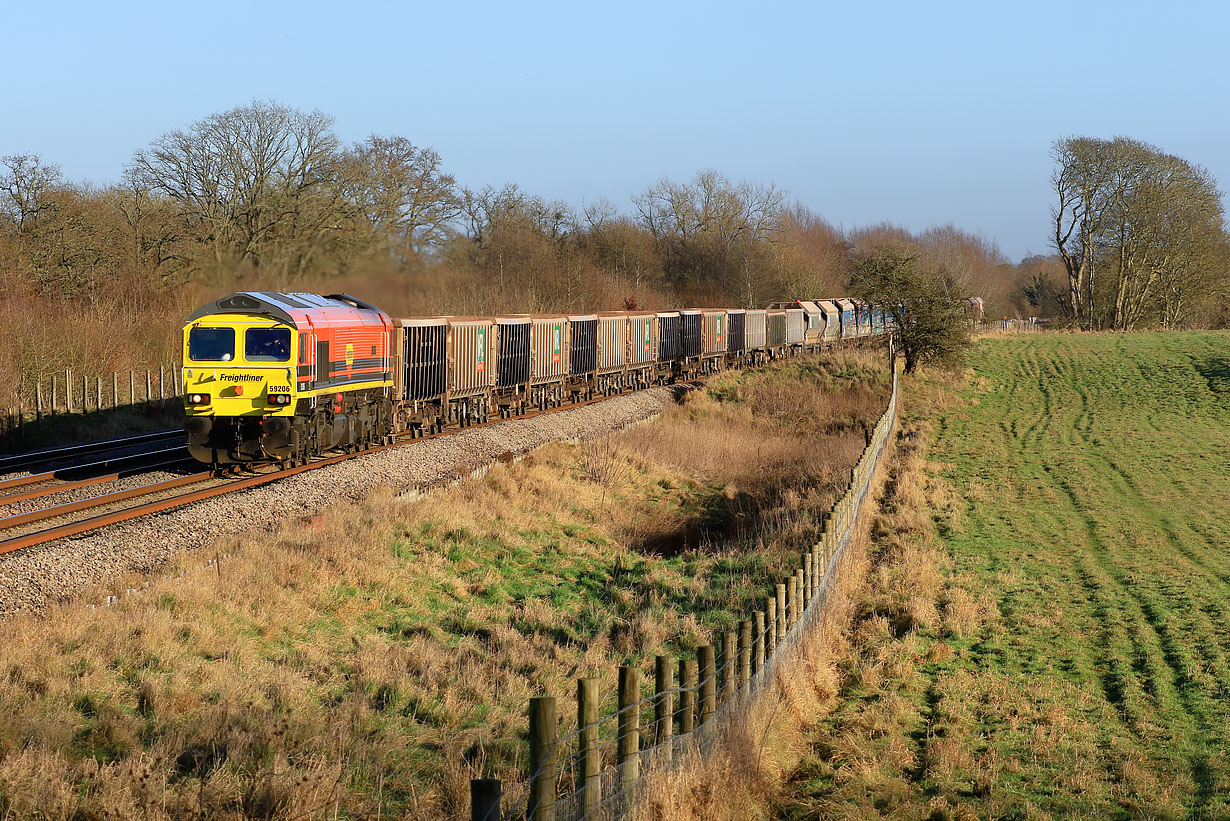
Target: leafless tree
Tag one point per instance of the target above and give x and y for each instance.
(1133, 226)
(28, 183)
(261, 178)
(403, 192)
(707, 228)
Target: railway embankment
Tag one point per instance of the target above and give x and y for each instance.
(377, 658)
(101, 564)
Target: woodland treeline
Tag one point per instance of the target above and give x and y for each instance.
(1141, 234)
(263, 196)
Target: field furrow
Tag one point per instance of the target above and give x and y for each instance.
(1081, 483)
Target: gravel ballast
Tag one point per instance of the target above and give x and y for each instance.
(32, 579)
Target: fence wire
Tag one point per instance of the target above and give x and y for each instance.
(616, 793)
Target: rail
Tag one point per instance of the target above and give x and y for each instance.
(271, 474)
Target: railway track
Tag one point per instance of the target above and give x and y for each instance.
(215, 486)
(93, 473)
(31, 462)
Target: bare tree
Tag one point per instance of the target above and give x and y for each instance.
(1149, 220)
(1080, 183)
(621, 247)
(261, 178)
(403, 192)
(523, 245)
(158, 241)
(28, 183)
(706, 228)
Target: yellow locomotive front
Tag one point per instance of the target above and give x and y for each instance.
(239, 387)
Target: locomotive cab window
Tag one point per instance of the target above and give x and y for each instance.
(267, 345)
(211, 344)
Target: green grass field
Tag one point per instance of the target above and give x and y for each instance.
(1077, 489)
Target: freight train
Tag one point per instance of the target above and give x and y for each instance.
(284, 377)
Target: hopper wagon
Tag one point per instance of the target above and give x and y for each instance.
(284, 377)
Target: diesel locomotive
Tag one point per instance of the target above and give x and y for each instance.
(283, 377)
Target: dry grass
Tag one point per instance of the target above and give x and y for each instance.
(868, 747)
(860, 681)
(373, 665)
(759, 742)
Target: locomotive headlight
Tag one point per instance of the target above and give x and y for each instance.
(198, 399)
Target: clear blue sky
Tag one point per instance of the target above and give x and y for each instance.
(915, 113)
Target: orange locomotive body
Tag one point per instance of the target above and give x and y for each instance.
(271, 376)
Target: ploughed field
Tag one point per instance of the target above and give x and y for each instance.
(1072, 653)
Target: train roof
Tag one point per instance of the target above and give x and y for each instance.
(805, 305)
(282, 307)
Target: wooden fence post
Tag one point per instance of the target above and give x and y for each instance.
(543, 759)
(745, 652)
(758, 636)
(85, 394)
(798, 595)
(115, 391)
(708, 682)
(149, 387)
(589, 762)
(730, 663)
(770, 616)
(68, 390)
(484, 799)
(132, 387)
(98, 402)
(780, 619)
(791, 601)
(629, 726)
(53, 395)
(807, 579)
(687, 696)
(664, 703)
(38, 400)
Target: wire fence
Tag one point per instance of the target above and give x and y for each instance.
(593, 772)
(1008, 325)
